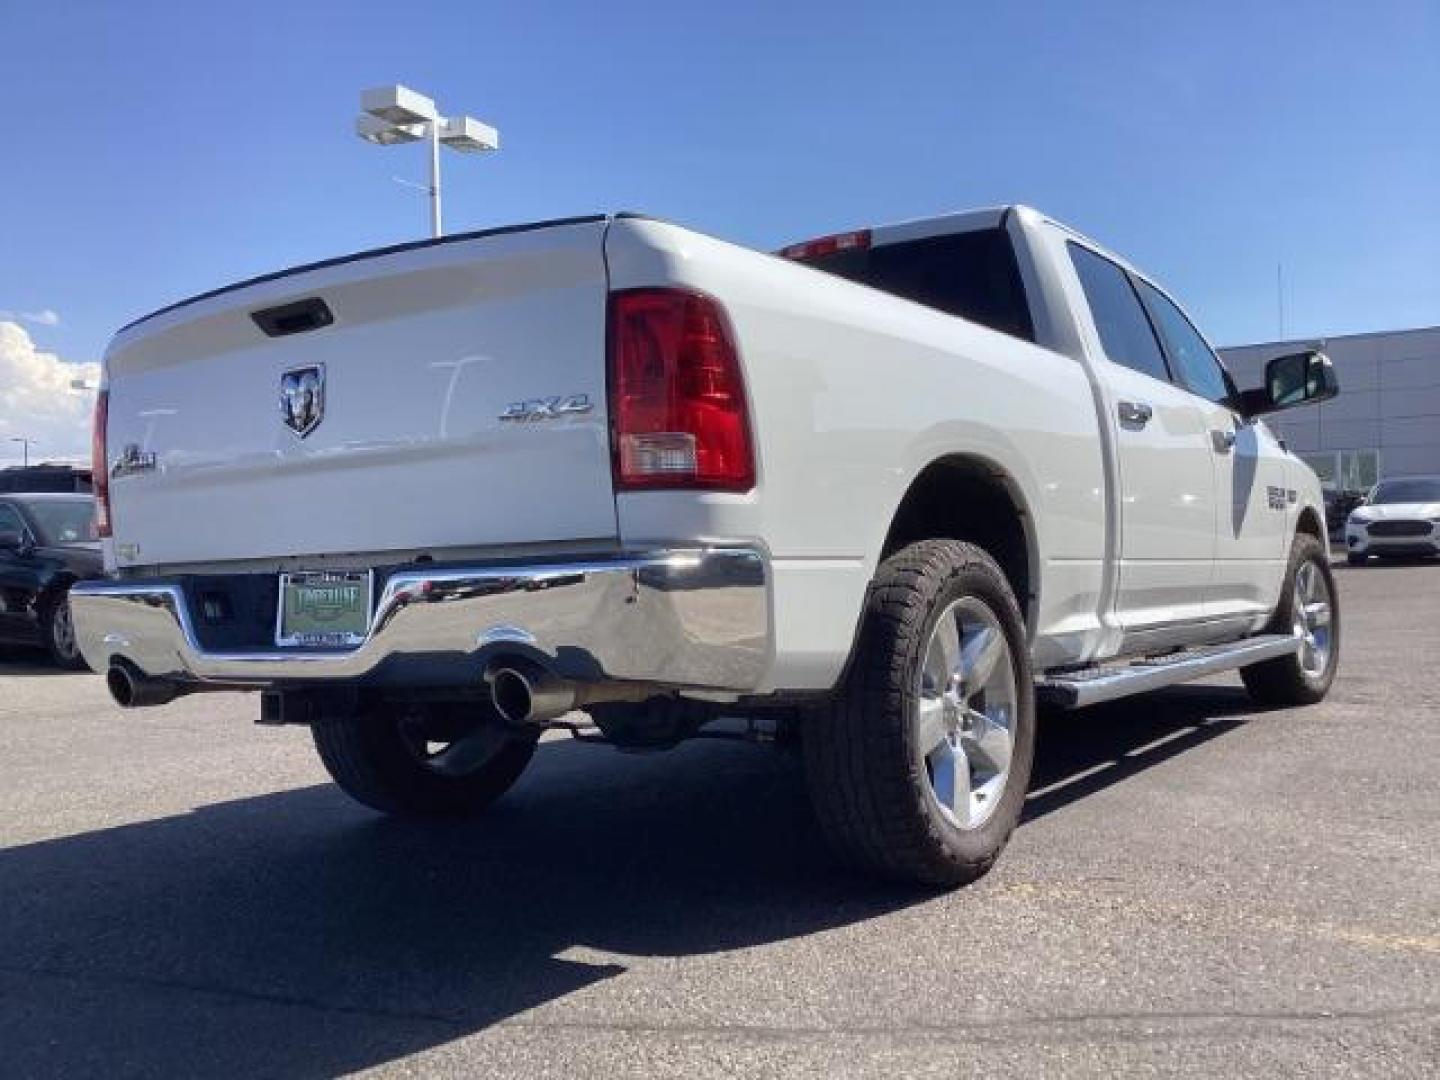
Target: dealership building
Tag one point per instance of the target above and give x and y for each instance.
(1386, 421)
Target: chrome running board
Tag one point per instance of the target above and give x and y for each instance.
(1077, 687)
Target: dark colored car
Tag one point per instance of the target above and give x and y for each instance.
(47, 543)
(1338, 505)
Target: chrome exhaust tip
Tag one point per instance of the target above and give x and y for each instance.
(525, 693)
(132, 690)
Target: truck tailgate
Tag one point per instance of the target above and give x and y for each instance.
(428, 346)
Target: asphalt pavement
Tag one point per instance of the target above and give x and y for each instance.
(1198, 888)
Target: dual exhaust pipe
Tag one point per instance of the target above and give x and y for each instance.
(132, 690)
(523, 691)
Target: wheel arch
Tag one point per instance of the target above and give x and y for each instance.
(962, 496)
(1310, 522)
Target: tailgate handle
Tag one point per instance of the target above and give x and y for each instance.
(293, 318)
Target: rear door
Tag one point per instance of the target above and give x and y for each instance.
(1167, 483)
(1252, 500)
(435, 398)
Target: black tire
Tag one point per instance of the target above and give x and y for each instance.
(866, 775)
(1284, 680)
(58, 632)
(1356, 559)
(378, 758)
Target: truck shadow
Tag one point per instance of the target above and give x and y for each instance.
(1080, 753)
(296, 934)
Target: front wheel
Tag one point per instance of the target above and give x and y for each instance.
(423, 761)
(1310, 610)
(918, 766)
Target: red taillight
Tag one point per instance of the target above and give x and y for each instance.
(677, 398)
(99, 470)
(827, 245)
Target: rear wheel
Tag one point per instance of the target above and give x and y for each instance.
(919, 765)
(58, 630)
(427, 761)
(1310, 610)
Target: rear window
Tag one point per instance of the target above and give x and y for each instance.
(970, 274)
(64, 521)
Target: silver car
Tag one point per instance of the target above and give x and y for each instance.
(1401, 517)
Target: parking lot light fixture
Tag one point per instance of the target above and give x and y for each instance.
(396, 114)
(469, 136)
(382, 133)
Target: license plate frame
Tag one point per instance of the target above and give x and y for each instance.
(351, 613)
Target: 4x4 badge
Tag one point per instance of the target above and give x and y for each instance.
(302, 398)
(550, 408)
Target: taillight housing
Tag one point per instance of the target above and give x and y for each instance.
(677, 396)
(99, 467)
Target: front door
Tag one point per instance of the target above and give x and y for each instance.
(1252, 498)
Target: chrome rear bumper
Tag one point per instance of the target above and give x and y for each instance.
(684, 618)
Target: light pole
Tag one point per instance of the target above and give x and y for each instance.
(26, 444)
(397, 114)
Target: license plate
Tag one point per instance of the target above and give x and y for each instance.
(324, 608)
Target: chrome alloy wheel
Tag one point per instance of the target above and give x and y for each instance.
(1311, 608)
(966, 712)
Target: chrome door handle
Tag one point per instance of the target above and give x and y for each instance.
(1223, 441)
(1135, 413)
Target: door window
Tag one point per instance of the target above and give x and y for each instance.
(1196, 364)
(10, 519)
(1124, 329)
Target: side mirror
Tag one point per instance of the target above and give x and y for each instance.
(1303, 378)
(14, 542)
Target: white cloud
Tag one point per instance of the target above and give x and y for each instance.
(37, 401)
(43, 317)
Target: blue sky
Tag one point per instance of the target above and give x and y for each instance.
(157, 150)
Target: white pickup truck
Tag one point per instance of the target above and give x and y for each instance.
(879, 495)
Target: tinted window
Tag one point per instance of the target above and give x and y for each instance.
(65, 521)
(971, 274)
(1195, 363)
(1418, 490)
(10, 519)
(1125, 332)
